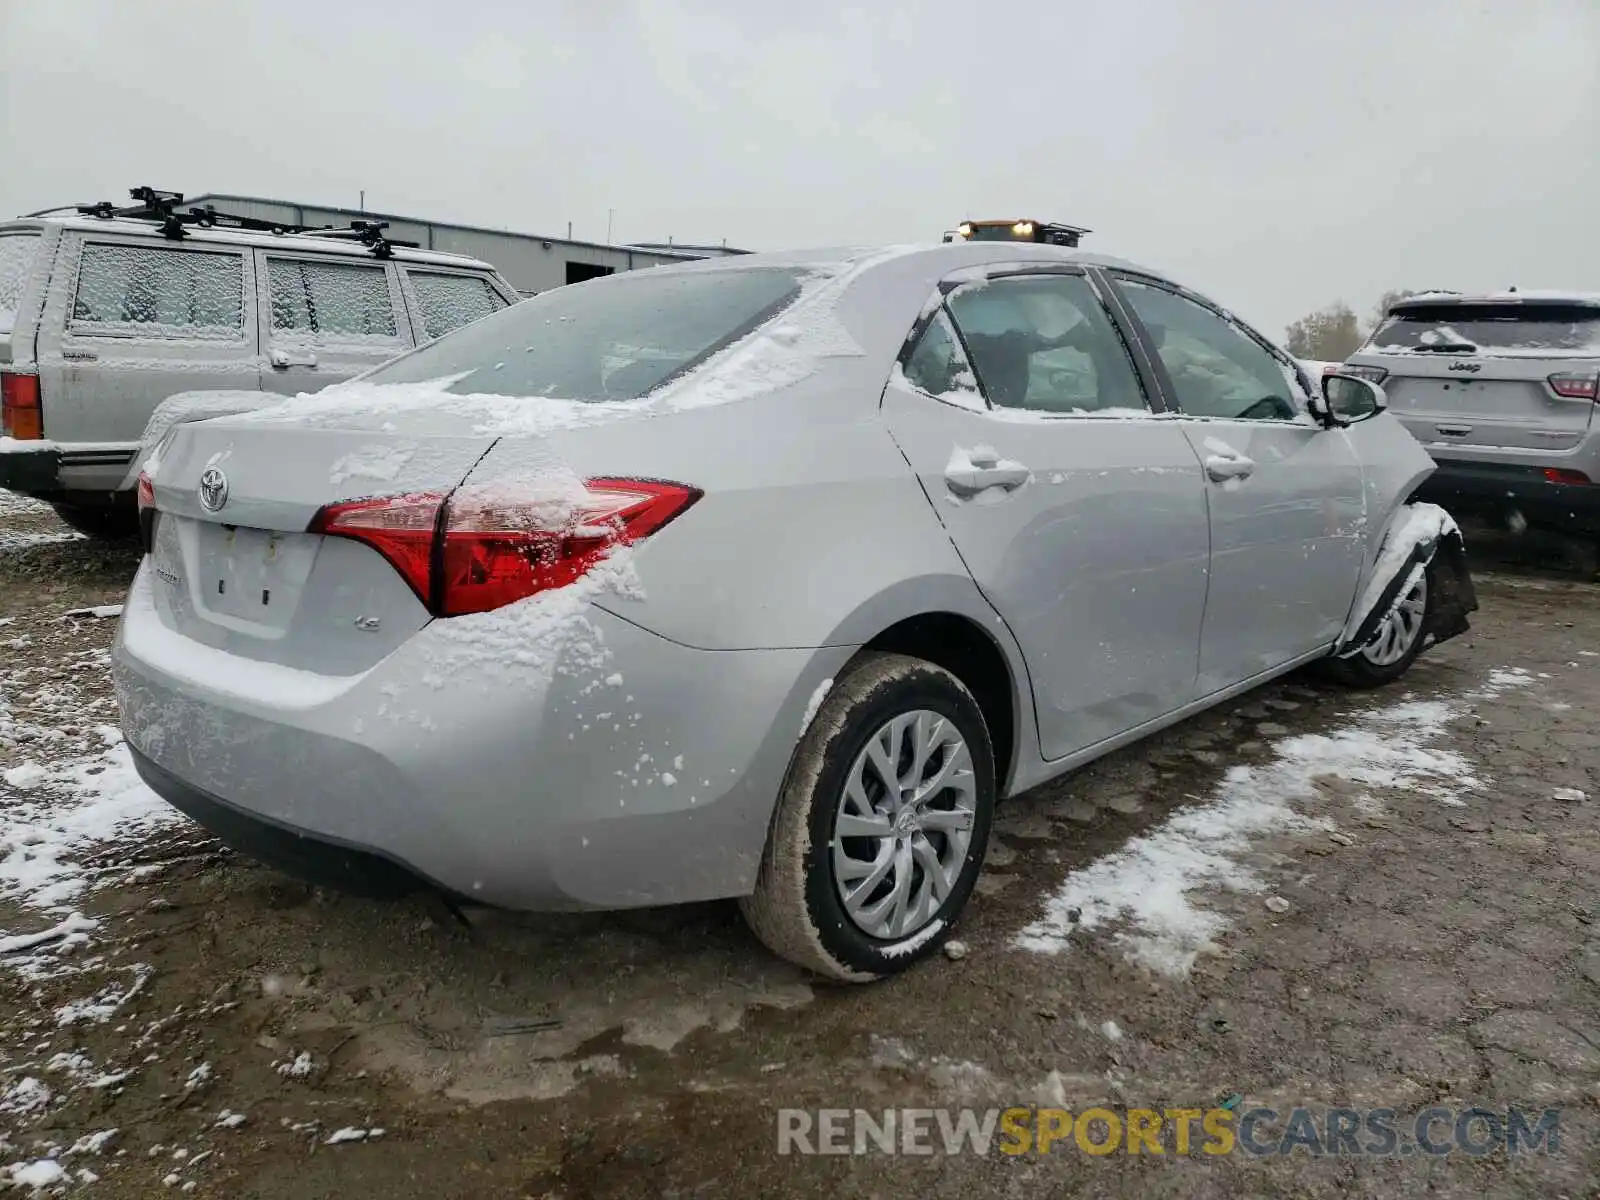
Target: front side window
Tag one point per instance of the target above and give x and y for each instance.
(451, 301)
(155, 291)
(1045, 343)
(1217, 370)
(330, 301)
(617, 338)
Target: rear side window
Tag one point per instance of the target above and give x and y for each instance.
(1044, 342)
(939, 366)
(451, 301)
(617, 338)
(330, 301)
(1492, 328)
(17, 252)
(147, 291)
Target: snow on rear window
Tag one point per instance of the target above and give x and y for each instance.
(151, 291)
(1462, 328)
(330, 302)
(16, 256)
(451, 301)
(617, 338)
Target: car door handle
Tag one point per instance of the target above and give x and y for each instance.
(1454, 430)
(283, 361)
(1221, 468)
(970, 481)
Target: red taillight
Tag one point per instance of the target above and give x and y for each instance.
(1575, 386)
(1564, 475)
(401, 528)
(146, 491)
(493, 545)
(20, 414)
(1370, 374)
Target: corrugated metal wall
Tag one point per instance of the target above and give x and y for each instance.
(531, 263)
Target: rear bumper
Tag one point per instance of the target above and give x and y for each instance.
(51, 469)
(322, 861)
(28, 468)
(1495, 491)
(623, 770)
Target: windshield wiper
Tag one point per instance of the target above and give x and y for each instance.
(1447, 348)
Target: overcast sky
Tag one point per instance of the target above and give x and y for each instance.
(1277, 154)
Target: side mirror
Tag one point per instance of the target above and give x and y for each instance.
(1347, 399)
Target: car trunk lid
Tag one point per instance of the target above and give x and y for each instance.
(234, 564)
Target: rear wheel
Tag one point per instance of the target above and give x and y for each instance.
(107, 522)
(882, 824)
(1396, 645)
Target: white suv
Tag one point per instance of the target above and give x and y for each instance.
(106, 312)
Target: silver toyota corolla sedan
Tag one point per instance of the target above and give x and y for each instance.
(762, 578)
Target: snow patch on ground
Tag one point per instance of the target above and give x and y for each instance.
(1149, 892)
(16, 504)
(61, 813)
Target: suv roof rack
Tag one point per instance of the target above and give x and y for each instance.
(163, 208)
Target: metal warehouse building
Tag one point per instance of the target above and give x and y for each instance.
(531, 262)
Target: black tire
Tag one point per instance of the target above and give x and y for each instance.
(795, 908)
(108, 523)
(1360, 673)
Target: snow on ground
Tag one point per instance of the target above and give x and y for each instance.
(62, 812)
(12, 503)
(1150, 894)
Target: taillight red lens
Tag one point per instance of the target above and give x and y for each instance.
(1564, 475)
(1575, 386)
(20, 414)
(146, 491)
(401, 528)
(496, 546)
(499, 549)
(1370, 374)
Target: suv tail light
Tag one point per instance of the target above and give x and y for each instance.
(1370, 374)
(1566, 475)
(1576, 386)
(481, 548)
(20, 414)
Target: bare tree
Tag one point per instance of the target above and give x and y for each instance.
(1384, 301)
(1330, 334)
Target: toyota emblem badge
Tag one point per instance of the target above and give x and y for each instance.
(213, 489)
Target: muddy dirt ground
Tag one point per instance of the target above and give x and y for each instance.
(1415, 939)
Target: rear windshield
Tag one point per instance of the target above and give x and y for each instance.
(610, 339)
(16, 257)
(1464, 328)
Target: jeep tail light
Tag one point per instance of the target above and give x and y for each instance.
(20, 414)
(1566, 475)
(1360, 371)
(1576, 386)
(146, 491)
(483, 547)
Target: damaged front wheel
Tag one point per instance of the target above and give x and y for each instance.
(1395, 643)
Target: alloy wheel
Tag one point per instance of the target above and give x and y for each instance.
(1402, 628)
(904, 825)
